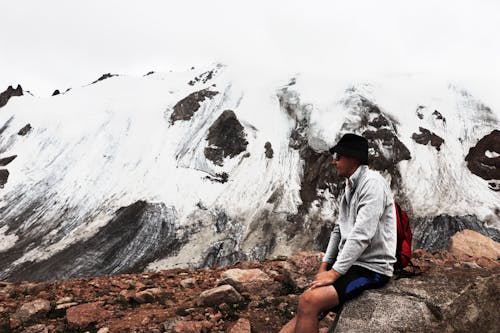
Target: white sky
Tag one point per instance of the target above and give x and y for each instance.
(56, 44)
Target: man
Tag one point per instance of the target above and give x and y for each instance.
(362, 247)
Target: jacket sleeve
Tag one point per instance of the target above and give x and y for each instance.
(369, 211)
(333, 246)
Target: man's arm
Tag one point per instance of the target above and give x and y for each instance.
(370, 210)
(331, 250)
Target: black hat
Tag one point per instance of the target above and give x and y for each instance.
(352, 145)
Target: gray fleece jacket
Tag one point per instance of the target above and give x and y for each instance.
(365, 233)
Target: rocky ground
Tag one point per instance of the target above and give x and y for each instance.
(245, 297)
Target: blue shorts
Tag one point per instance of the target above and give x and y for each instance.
(357, 279)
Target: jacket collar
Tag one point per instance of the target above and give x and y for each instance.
(352, 182)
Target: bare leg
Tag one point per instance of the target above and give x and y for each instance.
(311, 303)
(290, 326)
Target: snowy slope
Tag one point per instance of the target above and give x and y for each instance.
(107, 156)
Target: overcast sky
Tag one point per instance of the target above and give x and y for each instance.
(56, 44)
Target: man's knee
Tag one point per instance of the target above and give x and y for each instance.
(308, 303)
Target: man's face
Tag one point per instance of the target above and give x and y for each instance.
(344, 166)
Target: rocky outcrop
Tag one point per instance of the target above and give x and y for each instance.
(250, 280)
(186, 107)
(268, 150)
(6, 160)
(10, 92)
(226, 138)
(434, 233)
(483, 159)
(442, 302)
(4, 176)
(25, 130)
(104, 77)
(425, 136)
(474, 244)
(56, 92)
(140, 232)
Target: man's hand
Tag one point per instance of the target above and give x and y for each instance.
(325, 278)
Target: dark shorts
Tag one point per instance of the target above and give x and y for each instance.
(357, 279)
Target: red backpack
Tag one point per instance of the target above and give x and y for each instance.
(403, 249)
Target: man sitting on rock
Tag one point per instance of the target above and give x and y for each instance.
(362, 247)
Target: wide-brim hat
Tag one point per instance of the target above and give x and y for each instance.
(352, 145)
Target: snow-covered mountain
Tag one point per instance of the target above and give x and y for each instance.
(210, 166)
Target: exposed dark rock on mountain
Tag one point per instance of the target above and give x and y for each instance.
(104, 77)
(6, 160)
(226, 137)
(219, 177)
(203, 78)
(439, 116)
(149, 73)
(4, 175)
(56, 92)
(25, 130)
(10, 92)
(187, 106)
(482, 165)
(269, 150)
(425, 136)
(139, 232)
(434, 233)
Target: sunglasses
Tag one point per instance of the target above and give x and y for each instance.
(336, 156)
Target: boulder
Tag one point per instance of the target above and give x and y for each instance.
(82, 316)
(474, 244)
(31, 311)
(447, 301)
(187, 283)
(253, 281)
(222, 294)
(39, 328)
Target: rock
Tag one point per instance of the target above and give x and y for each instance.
(149, 295)
(226, 137)
(193, 326)
(302, 268)
(268, 150)
(39, 328)
(186, 108)
(253, 281)
(4, 175)
(103, 330)
(65, 306)
(218, 295)
(479, 163)
(187, 283)
(474, 244)
(446, 301)
(6, 160)
(82, 316)
(64, 300)
(10, 92)
(425, 136)
(241, 326)
(25, 130)
(32, 311)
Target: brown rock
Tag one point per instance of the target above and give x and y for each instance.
(218, 295)
(241, 326)
(474, 244)
(84, 315)
(32, 310)
(252, 281)
(40, 328)
(187, 326)
(149, 295)
(187, 283)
